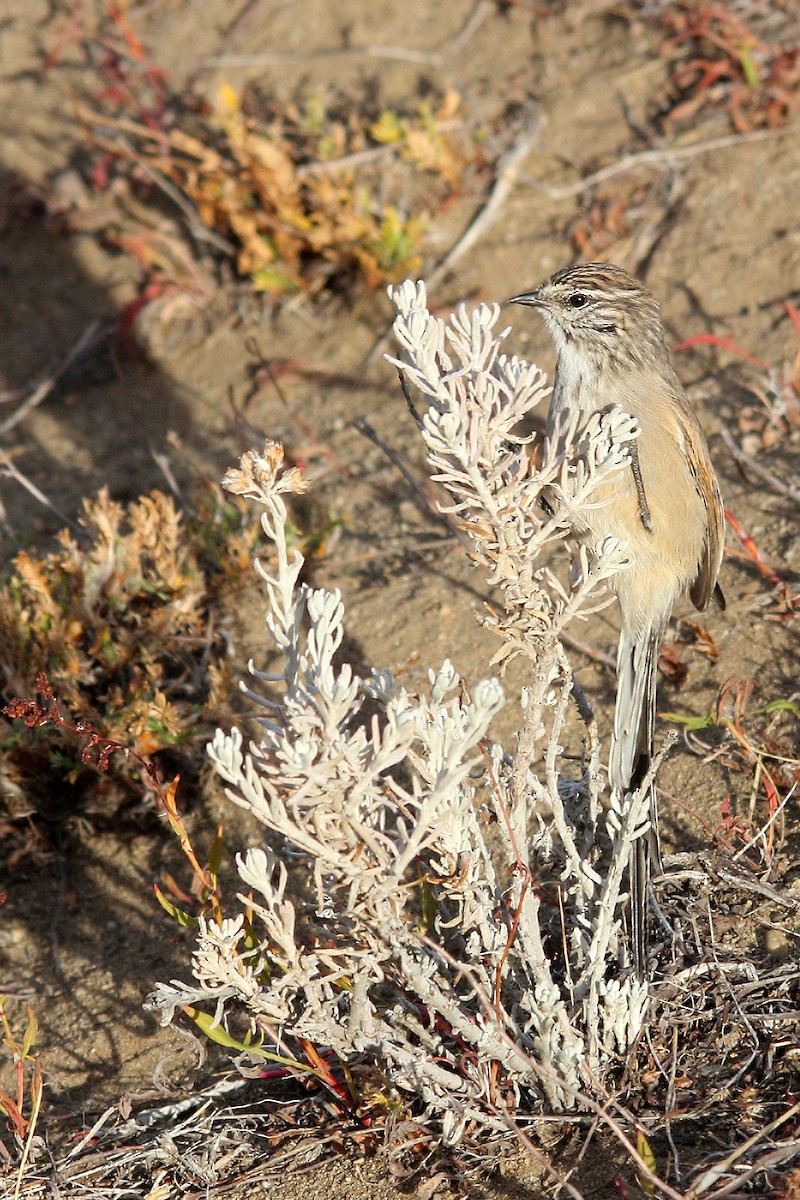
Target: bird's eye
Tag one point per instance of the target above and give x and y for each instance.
(577, 300)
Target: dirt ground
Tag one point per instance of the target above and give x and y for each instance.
(706, 215)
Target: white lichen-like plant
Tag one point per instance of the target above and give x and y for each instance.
(425, 899)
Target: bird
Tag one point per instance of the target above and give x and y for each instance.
(667, 508)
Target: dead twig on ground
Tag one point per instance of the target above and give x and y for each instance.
(715, 1173)
(423, 501)
(265, 367)
(507, 173)
(583, 647)
(746, 460)
(430, 58)
(665, 156)
(246, 15)
(92, 336)
(7, 468)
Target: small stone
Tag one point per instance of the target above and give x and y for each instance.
(408, 512)
(776, 943)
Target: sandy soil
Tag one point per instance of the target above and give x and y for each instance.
(715, 234)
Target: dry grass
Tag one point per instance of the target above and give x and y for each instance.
(124, 617)
(721, 1053)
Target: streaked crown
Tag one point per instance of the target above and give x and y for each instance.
(600, 310)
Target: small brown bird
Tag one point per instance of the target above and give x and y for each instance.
(607, 329)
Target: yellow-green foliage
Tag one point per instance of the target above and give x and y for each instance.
(302, 194)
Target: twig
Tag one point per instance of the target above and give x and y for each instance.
(760, 833)
(92, 1133)
(746, 460)
(598, 656)
(246, 14)
(12, 534)
(539, 1157)
(168, 1114)
(328, 166)
(91, 337)
(752, 553)
(165, 467)
(264, 364)
(431, 58)
(669, 1103)
(667, 155)
(507, 173)
(424, 501)
(31, 487)
(745, 884)
(197, 229)
(713, 1174)
(38, 1090)
(782, 1152)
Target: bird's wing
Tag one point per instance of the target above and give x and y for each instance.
(705, 586)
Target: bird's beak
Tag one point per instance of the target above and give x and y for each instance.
(531, 298)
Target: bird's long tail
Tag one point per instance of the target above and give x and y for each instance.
(631, 755)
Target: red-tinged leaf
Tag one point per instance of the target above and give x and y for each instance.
(323, 1071)
(98, 177)
(773, 800)
(128, 35)
(672, 665)
(175, 889)
(9, 1107)
(126, 319)
(793, 313)
(155, 287)
(794, 378)
(725, 343)
(753, 551)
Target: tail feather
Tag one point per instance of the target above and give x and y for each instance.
(631, 754)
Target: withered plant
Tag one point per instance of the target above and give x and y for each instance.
(325, 190)
(722, 61)
(123, 621)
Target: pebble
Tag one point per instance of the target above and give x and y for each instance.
(776, 943)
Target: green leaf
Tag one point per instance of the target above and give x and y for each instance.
(388, 129)
(704, 722)
(29, 1037)
(215, 854)
(215, 1033)
(183, 918)
(752, 75)
(647, 1156)
(782, 706)
(269, 279)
